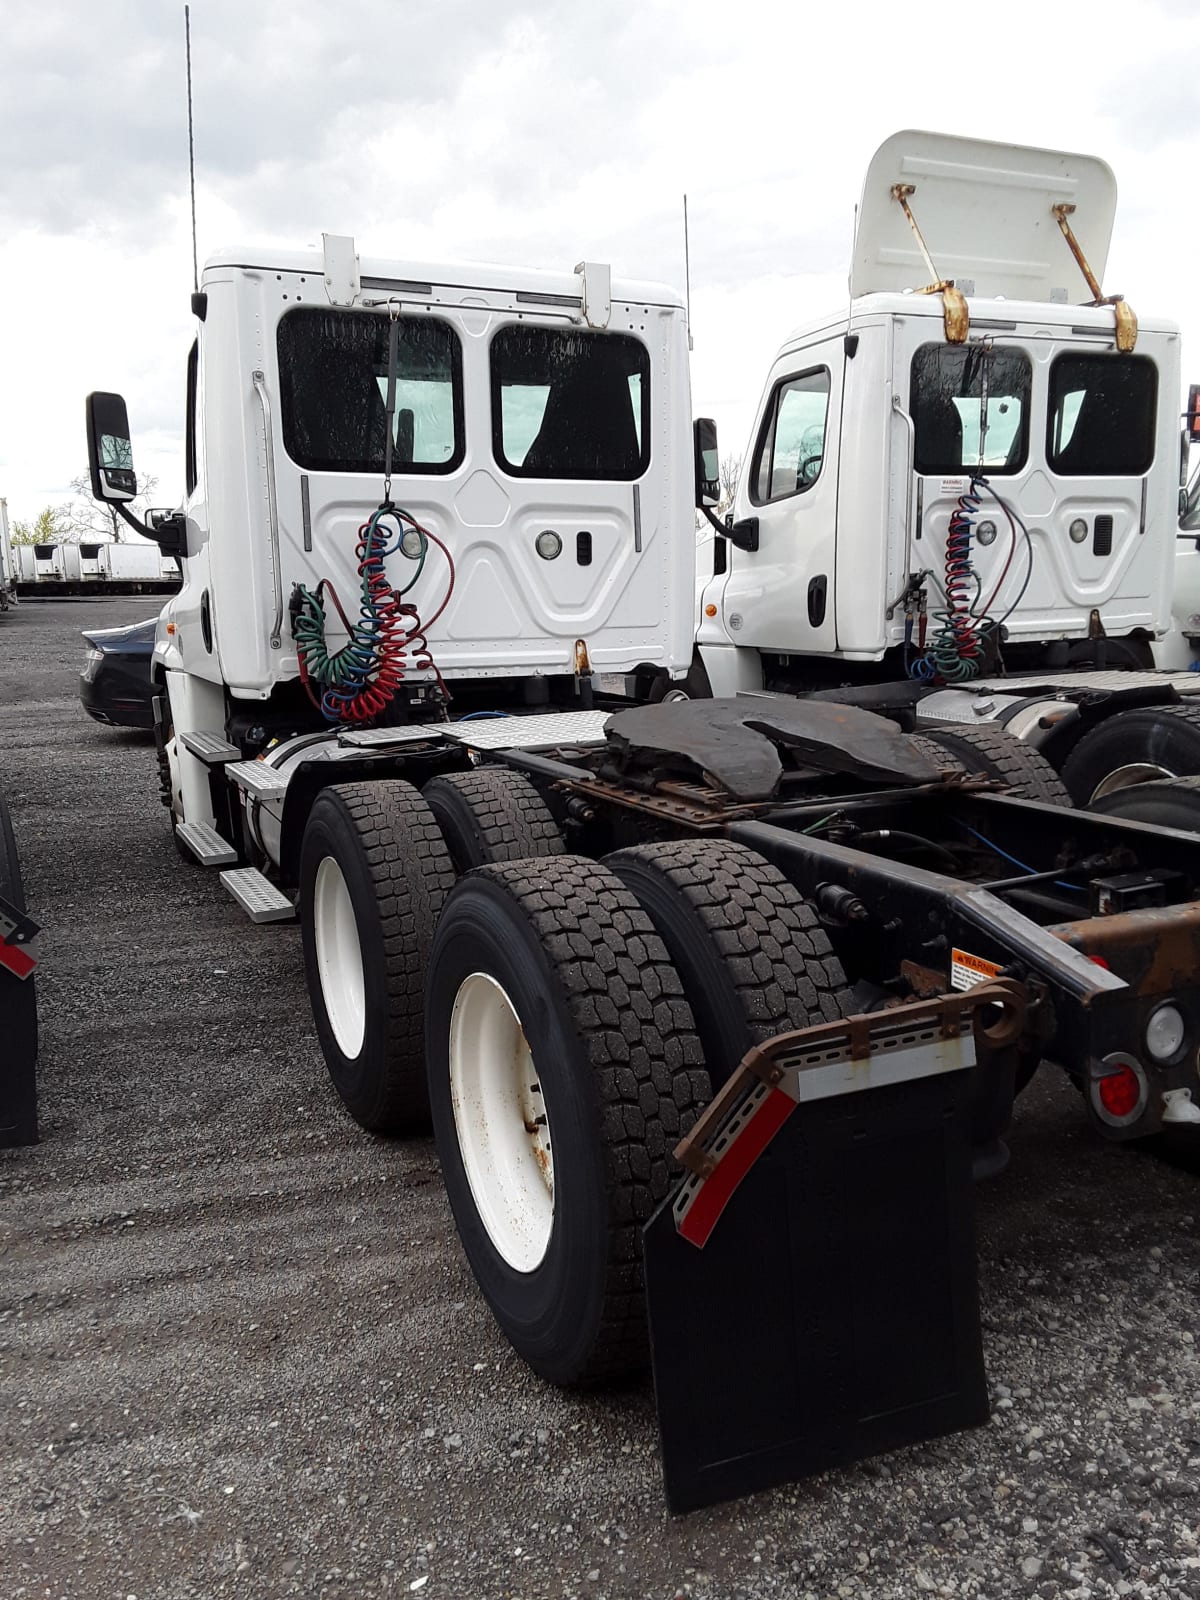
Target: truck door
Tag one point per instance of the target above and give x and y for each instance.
(780, 597)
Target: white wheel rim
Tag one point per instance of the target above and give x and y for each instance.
(1128, 777)
(502, 1122)
(339, 958)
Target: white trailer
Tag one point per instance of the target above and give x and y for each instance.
(91, 558)
(127, 562)
(68, 563)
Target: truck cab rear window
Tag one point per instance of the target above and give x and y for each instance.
(333, 375)
(970, 409)
(570, 404)
(1101, 416)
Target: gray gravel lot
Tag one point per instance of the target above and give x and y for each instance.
(241, 1354)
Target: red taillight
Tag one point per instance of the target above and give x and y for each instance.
(1120, 1092)
(1099, 961)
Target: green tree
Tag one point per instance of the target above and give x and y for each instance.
(45, 528)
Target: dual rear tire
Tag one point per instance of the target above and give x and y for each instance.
(575, 1017)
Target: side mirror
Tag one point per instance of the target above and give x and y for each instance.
(110, 449)
(707, 462)
(156, 516)
(1193, 413)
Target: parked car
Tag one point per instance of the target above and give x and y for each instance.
(115, 685)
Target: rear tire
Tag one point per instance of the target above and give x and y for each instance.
(18, 1014)
(1149, 744)
(492, 814)
(996, 753)
(558, 995)
(750, 950)
(374, 875)
(1169, 803)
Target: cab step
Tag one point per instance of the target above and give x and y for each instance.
(257, 895)
(206, 844)
(257, 778)
(214, 749)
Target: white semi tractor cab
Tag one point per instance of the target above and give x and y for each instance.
(531, 418)
(609, 953)
(971, 474)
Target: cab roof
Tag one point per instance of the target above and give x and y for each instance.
(381, 274)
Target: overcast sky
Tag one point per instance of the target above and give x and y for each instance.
(539, 134)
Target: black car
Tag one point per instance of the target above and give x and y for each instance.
(115, 685)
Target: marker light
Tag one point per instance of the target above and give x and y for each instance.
(548, 545)
(1120, 1092)
(1165, 1033)
(1078, 531)
(710, 610)
(412, 544)
(986, 532)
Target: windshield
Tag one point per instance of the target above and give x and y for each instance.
(970, 408)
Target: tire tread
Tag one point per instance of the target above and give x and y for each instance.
(1027, 773)
(626, 1002)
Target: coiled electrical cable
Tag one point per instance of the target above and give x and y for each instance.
(359, 681)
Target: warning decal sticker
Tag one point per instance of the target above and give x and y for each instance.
(968, 970)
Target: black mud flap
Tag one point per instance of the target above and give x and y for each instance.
(825, 1306)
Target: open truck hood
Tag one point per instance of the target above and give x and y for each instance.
(984, 210)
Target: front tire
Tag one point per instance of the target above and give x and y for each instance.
(557, 994)
(374, 874)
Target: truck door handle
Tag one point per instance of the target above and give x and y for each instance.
(817, 590)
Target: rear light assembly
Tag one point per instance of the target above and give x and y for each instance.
(1118, 1090)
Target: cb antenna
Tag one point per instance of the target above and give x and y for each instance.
(187, 33)
(687, 273)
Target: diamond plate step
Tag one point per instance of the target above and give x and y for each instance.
(211, 748)
(257, 896)
(257, 778)
(369, 738)
(206, 844)
(528, 733)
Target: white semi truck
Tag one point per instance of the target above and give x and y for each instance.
(427, 507)
(966, 484)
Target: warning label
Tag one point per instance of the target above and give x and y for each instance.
(968, 970)
(955, 486)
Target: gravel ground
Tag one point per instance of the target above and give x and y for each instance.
(241, 1354)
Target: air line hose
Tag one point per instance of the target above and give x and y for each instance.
(357, 682)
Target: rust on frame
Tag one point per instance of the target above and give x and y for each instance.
(1156, 951)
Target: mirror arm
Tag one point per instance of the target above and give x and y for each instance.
(743, 534)
(712, 517)
(135, 523)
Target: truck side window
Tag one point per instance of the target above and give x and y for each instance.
(791, 444)
(970, 408)
(570, 404)
(1101, 416)
(333, 373)
(189, 440)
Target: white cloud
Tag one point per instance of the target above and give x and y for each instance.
(501, 131)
